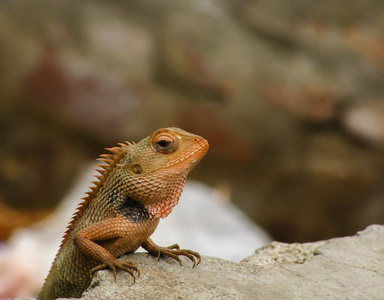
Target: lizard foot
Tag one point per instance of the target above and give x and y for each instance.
(126, 266)
(174, 252)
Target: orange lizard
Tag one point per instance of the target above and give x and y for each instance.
(138, 185)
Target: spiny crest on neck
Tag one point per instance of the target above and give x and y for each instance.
(109, 163)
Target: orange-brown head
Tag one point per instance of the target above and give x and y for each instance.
(154, 170)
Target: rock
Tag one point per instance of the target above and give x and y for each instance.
(341, 268)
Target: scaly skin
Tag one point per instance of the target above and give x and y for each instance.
(138, 184)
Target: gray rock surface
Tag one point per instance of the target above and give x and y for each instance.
(341, 268)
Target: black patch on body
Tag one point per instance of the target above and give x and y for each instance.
(133, 210)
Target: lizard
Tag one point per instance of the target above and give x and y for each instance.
(138, 184)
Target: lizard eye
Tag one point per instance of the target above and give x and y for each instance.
(164, 144)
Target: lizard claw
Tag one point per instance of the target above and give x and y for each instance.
(126, 266)
(174, 252)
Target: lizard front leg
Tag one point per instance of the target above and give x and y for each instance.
(112, 232)
(173, 251)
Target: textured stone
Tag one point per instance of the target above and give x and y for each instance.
(341, 268)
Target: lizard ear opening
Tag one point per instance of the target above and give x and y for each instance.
(136, 168)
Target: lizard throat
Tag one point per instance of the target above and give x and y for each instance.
(162, 209)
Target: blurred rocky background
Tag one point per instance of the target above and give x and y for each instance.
(290, 95)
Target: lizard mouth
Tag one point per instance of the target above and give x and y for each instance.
(198, 150)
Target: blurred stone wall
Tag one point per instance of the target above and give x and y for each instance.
(288, 93)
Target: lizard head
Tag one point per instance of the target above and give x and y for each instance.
(167, 151)
(154, 169)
